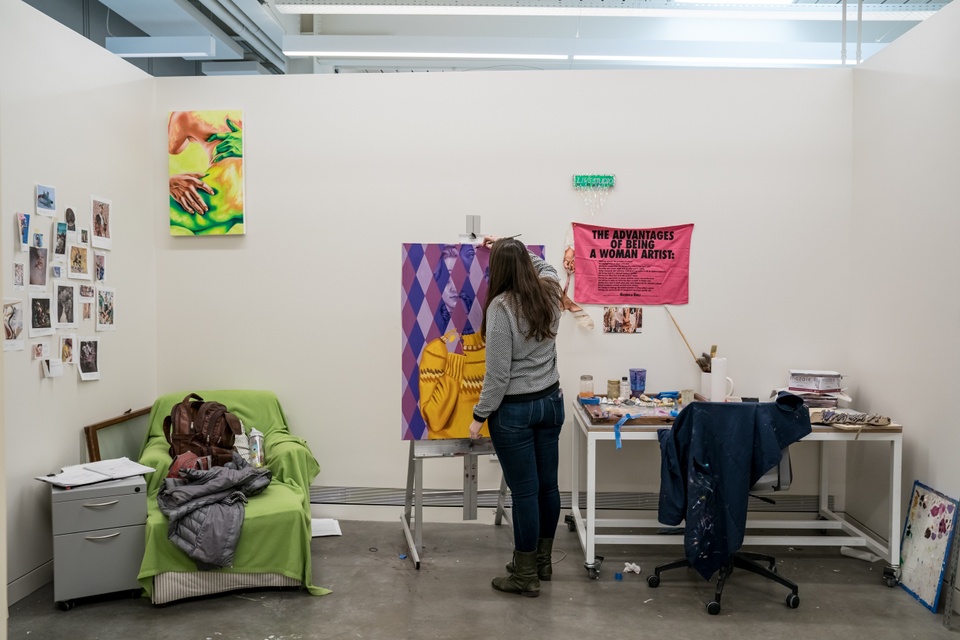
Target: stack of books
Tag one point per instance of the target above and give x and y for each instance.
(819, 389)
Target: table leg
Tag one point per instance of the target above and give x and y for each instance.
(896, 469)
(575, 473)
(590, 561)
(824, 489)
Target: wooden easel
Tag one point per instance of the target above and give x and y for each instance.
(469, 450)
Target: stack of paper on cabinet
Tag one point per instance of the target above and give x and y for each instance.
(91, 472)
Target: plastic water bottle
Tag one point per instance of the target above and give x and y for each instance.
(256, 448)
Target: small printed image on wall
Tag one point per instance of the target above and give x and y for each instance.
(106, 297)
(101, 222)
(46, 200)
(12, 324)
(89, 368)
(622, 319)
(206, 172)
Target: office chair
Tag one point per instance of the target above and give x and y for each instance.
(693, 436)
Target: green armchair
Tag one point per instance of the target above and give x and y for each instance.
(274, 545)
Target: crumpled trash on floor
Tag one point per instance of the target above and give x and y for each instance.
(859, 554)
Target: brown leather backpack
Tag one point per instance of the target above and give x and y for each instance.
(204, 428)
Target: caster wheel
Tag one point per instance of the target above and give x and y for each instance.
(793, 600)
(593, 574)
(66, 605)
(773, 568)
(571, 523)
(890, 576)
(823, 532)
(713, 608)
(653, 581)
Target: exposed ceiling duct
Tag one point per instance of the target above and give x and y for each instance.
(241, 30)
(170, 19)
(253, 32)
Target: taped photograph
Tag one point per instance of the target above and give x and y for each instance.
(78, 262)
(89, 368)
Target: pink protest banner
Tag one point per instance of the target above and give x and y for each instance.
(631, 266)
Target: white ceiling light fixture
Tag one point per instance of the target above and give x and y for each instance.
(425, 48)
(694, 61)
(732, 3)
(427, 55)
(712, 9)
(567, 51)
(162, 46)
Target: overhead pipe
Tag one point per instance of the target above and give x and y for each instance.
(239, 23)
(843, 35)
(843, 28)
(241, 14)
(859, 29)
(262, 45)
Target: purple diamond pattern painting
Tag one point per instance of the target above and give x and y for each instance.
(443, 289)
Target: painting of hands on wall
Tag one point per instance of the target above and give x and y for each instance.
(206, 172)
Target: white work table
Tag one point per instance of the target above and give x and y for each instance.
(587, 524)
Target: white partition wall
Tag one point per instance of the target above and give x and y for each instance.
(341, 170)
(3, 477)
(905, 335)
(74, 117)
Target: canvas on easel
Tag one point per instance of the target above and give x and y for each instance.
(443, 290)
(925, 544)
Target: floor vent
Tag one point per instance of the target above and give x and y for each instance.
(384, 496)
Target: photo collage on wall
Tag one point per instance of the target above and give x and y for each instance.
(65, 280)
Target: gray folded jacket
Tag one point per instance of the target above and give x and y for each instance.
(205, 509)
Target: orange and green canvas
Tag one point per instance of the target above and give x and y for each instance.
(206, 172)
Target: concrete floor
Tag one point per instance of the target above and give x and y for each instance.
(378, 595)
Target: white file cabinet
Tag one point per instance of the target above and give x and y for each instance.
(98, 538)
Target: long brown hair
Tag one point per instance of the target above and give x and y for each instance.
(529, 296)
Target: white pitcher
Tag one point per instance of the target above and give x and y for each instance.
(716, 386)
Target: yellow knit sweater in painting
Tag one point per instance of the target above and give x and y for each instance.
(450, 385)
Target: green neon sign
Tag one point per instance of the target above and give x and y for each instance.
(593, 181)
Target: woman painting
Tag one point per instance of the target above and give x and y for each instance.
(523, 401)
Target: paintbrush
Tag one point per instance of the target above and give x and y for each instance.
(680, 331)
(705, 363)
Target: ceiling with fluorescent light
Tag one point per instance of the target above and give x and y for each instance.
(222, 37)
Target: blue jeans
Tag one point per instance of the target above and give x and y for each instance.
(526, 437)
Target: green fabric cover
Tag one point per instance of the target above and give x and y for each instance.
(276, 528)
